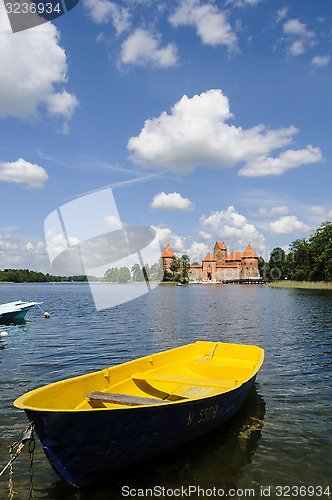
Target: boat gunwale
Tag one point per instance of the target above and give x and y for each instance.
(19, 402)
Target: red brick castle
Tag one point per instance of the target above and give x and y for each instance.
(220, 266)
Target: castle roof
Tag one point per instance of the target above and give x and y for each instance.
(209, 258)
(234, 256)
(249, 252)
(222, 245)
(168, 252)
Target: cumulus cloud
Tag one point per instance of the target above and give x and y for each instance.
(143, 48)
(195, 133)
(288, 224)
(166, 235)
(203, 235)
(17, 254)
(197, 251)
(113, 222)
(228, 225)
(272, 212)
(210, 22)
(320, 61)
(23, 172)
(321, 213)
(62, 103)
(298, 37)
(171, 201)
(31, 63)
(103, 11)
(264, 165)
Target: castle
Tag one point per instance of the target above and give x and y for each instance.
(220, 266)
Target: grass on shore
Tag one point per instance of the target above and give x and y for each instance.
(309, 285)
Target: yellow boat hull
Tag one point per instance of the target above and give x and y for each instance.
(102, 421)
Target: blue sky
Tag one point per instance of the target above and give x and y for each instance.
(210, 120)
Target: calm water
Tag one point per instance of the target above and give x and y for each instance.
(283, 434)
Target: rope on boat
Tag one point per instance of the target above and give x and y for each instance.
(46, 314)
(27, 437)
(210, 356)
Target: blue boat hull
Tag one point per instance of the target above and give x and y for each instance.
(83, 446)
(15, 316)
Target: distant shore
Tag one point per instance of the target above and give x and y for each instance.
(308, 285)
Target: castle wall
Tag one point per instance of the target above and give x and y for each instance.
(228, 274)
(196, 273)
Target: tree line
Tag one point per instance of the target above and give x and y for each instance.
(27, 276)
(178, 271)
(307, 259)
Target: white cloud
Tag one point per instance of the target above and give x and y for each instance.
(171, 201)
(296, 48)
(233, 228)
(23, 172)
(203, 235)
(165, 235)
(143, 48)
(288, 224)
(197, 251)
(322, 213)
(298, 37)
(31, 63)
(113, 222)
(272, 212)
(195, 133)
(102, 11)
(211, 24)
(243, 3)
(62, 104)
(20, 255)
(320, 61)
(295, 27)
(281, 14)
(264, 165)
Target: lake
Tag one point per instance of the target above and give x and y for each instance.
(281, 437)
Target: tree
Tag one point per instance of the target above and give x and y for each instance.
(299, 260)
(124, 275)
(174, 265)
(137, 273)
(321, 253)
(184, 268)
(111, 275)
(278, 268)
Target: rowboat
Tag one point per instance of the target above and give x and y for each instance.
(99, 422)
(15, 311)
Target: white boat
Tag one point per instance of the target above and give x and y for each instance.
(15, 311)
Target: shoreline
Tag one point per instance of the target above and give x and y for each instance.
(304, 285)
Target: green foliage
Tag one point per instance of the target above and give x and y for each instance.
(174, 265)
(278, 267)
(137, 273)
(179, 269)
(111, 275)
(26, 276)
(307, 260)
(184, 268)
(124, 275)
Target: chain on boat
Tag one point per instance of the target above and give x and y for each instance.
(14, 451)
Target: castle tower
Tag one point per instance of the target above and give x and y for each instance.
(209, 267)
(249, 263)
(167, 256)
(220, 253)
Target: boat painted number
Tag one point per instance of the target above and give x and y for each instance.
(204, 415)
